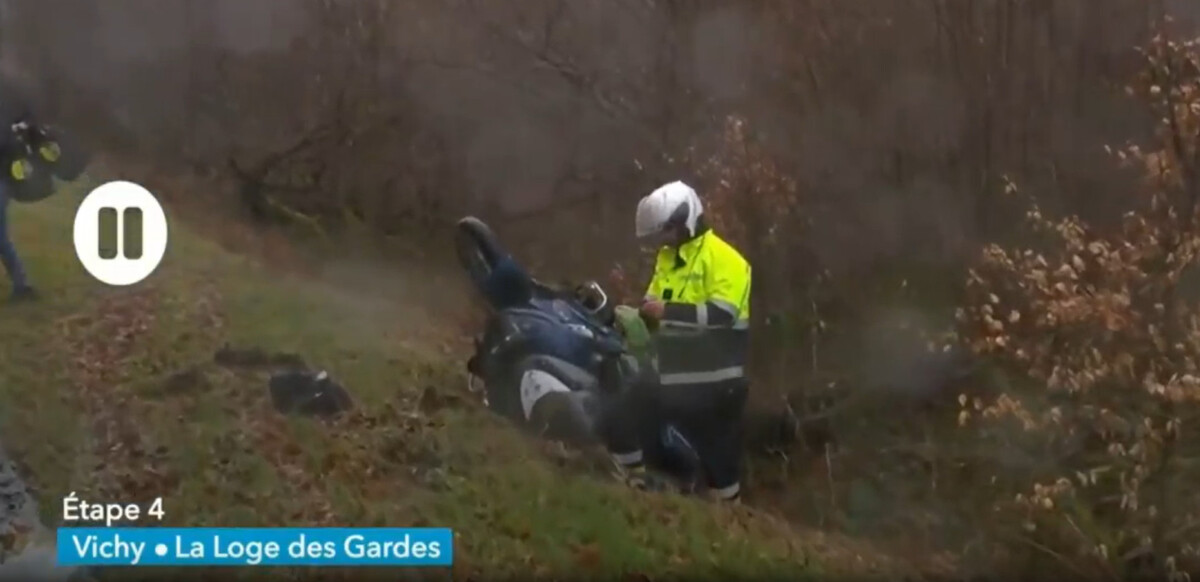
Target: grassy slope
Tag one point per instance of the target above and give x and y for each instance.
(90, 406)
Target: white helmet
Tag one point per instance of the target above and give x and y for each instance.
(673, 204)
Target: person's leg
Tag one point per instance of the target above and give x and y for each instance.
(623, 422)
(8, 252)
(713, 425)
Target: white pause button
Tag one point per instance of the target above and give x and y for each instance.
(125, 268)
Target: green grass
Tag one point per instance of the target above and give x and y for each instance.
(88, 406)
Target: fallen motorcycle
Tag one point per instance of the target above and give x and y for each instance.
(561, 362)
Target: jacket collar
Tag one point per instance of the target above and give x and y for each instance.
(686, 252)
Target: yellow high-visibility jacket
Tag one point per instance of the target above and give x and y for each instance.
(702, 338)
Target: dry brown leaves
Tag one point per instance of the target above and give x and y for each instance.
(1101, 320)
(129, 466)
(750, 198)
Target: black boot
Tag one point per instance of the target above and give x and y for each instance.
(23, 294)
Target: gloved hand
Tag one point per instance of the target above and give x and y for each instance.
(652, 313)
(652, 309)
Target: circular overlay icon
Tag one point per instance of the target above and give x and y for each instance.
(119, 197)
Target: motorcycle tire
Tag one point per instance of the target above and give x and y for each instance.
(478, 249)
(28, 181)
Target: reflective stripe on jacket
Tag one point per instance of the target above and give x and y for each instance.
(702, 338)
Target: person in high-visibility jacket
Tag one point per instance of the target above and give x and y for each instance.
(699, 296)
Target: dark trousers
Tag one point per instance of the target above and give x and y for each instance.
(708, 415)
(8, 252)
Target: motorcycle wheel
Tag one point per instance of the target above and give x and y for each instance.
(478, 248)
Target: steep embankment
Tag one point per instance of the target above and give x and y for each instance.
(114, 394)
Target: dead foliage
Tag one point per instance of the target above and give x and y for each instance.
(1105, 327)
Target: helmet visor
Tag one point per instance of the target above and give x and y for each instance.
(651, 243)
(647, 226)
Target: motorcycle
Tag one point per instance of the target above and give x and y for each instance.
(564, 363)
